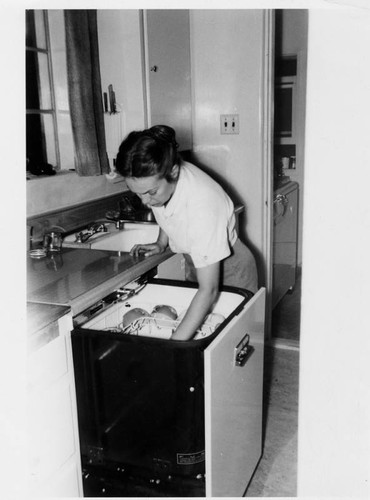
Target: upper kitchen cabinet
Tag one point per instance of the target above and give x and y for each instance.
(168, 71)
(120, 54)
(145, 56)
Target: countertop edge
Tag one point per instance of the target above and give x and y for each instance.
(40, 315)
(87, 298)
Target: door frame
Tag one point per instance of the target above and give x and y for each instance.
(267, 156)
(145, 63)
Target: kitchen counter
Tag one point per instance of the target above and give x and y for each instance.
(40, 316)
(285, 187)
(79, 277)
(41, 323)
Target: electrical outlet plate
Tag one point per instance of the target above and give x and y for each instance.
(229, 124)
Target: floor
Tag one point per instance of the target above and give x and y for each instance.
(276, 474)
(287, 314)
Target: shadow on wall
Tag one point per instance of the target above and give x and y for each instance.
(191, 157)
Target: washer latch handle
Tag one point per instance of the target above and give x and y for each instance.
(243, 351)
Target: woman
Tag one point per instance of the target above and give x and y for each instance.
(195, 216)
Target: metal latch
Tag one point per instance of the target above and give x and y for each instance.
(243, 351)
(121, 294)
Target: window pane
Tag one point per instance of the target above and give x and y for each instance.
(35, 146)
(58, 49)
(66, 146)
(60, 82)
(49, 133)
(40, 29)
(35, 29)
(38, 94)
(40, 139)
(32, 87)
(45, 93)
(30, 29)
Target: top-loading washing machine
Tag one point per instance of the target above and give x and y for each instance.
(159, 417)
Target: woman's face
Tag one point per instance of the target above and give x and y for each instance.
(153, 191)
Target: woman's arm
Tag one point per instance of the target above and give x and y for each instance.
(151, 248)
(208, 279)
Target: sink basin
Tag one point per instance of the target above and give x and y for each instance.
(115, 239)
(125, 239)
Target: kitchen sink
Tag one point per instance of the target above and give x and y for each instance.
(117, 240)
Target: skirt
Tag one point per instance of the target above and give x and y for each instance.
(239, 269)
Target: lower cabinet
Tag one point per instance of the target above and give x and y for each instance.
(285, 241)
(173, 268)
(54, 466)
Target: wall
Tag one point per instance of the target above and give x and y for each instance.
(64, 190)
(334, 433)
(120, 65)
(227, 73)
(294, 42)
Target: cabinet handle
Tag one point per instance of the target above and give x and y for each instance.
(282, 201)
(281, 198)
(154, 68)
(243, 351)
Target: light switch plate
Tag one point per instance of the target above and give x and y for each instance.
(229, 124)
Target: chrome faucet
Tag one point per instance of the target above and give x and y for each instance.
(93, 228)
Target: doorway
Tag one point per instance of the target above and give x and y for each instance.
(288, 168)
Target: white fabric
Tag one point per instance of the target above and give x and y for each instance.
(199, 219)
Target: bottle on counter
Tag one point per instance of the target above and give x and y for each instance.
(292, 162)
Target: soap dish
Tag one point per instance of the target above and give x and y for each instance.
(38, 253)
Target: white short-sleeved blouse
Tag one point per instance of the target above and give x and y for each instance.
(199, 219)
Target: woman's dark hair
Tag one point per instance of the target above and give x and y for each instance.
(149, 152)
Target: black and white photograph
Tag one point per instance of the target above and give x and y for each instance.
(186, 280)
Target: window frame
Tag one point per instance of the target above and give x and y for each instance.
(52, 111)
(61, 145)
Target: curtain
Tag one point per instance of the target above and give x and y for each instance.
(84, 91)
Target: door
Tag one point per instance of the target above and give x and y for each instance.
(233, 402)
(285, 241)
(168, 71)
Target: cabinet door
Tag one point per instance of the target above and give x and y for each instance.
(285, 217)
(285, 244)
(173, 268)
(168, 71)
(54, 465)
(233, 403)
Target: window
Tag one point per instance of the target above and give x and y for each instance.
(284, 107)
(49, 139)
(285, 100)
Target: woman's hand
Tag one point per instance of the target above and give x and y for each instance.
(147, 249)
(208, 279)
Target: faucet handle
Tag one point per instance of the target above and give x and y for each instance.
(97, 227)
(125, 205)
